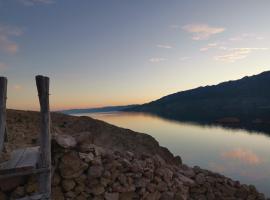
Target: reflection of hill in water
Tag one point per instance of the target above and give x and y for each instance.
(243, 103)
(252, 128)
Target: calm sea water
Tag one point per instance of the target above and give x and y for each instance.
(239, 154)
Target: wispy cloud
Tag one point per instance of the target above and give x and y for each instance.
(36, 2)
(246, 36)
(244, 155)
(6, 34)
(164, 46)
(157, 60)
(216, 45)
(202, 31)
(235, 54)
(185, 58)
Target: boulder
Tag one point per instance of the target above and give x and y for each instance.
(71, 166)
(111, 196)
(68, 184)
(65, 141)
(95, 171)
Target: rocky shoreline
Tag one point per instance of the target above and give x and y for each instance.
(95, 160)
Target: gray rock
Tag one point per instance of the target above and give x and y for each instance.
(68, 184)
(111, 196)
(71, 166)
(65, 141)
(95, 171)
(200, 179)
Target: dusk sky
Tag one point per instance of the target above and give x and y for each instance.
(119, 52)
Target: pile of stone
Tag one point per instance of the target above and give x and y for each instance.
(87, 171)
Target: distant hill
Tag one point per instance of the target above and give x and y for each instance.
(96, 110)
(239, 101)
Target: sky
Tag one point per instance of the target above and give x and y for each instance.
(120, 52)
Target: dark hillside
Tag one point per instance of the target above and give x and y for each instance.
(244, 100)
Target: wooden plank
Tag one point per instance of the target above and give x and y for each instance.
(14, 159)
(3, 98)
(29, 158)
(24, 173)
(21, 160)
(42, 83)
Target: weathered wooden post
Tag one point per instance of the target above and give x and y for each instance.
(45, 136)
(3, 98)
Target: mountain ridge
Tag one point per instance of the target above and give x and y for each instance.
(245, 99)
(96, 110)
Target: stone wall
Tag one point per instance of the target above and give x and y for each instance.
(87, 171)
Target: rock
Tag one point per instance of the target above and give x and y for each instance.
(65, 141)
(162, 186)
(86, 157)
(81, 180)
(81, 197)
(31, 185)
(68, 184)
(200, 179)
(153, 196)
(128, 196)
(141, 182)
(3, 196)
(158, 160)
(70, 194)
(11, 183)
(18, 192)
(151, 187)
(181, 196)
(167, 196)
(111, 196)
(188, 172)
(88, 147)
(97, 190)
(56, 179)
(79, 189)
(178, 160)
(95, 171)
(31, 188)
(4, 157)
(57, 194)
(71, 166)
(185, 180)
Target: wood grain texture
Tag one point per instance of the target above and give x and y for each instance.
(22, 160)
(3, 97)
(42, 83)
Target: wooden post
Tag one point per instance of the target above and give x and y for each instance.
(45, 136)
(3, 99)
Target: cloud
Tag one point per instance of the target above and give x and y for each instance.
(235, 54)
(246, 36)
(164, 46)
(156, 60)
(209, 46)
(244, 155)
(36, 2)
(202, 31)
(185, 58)
(6, 34)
